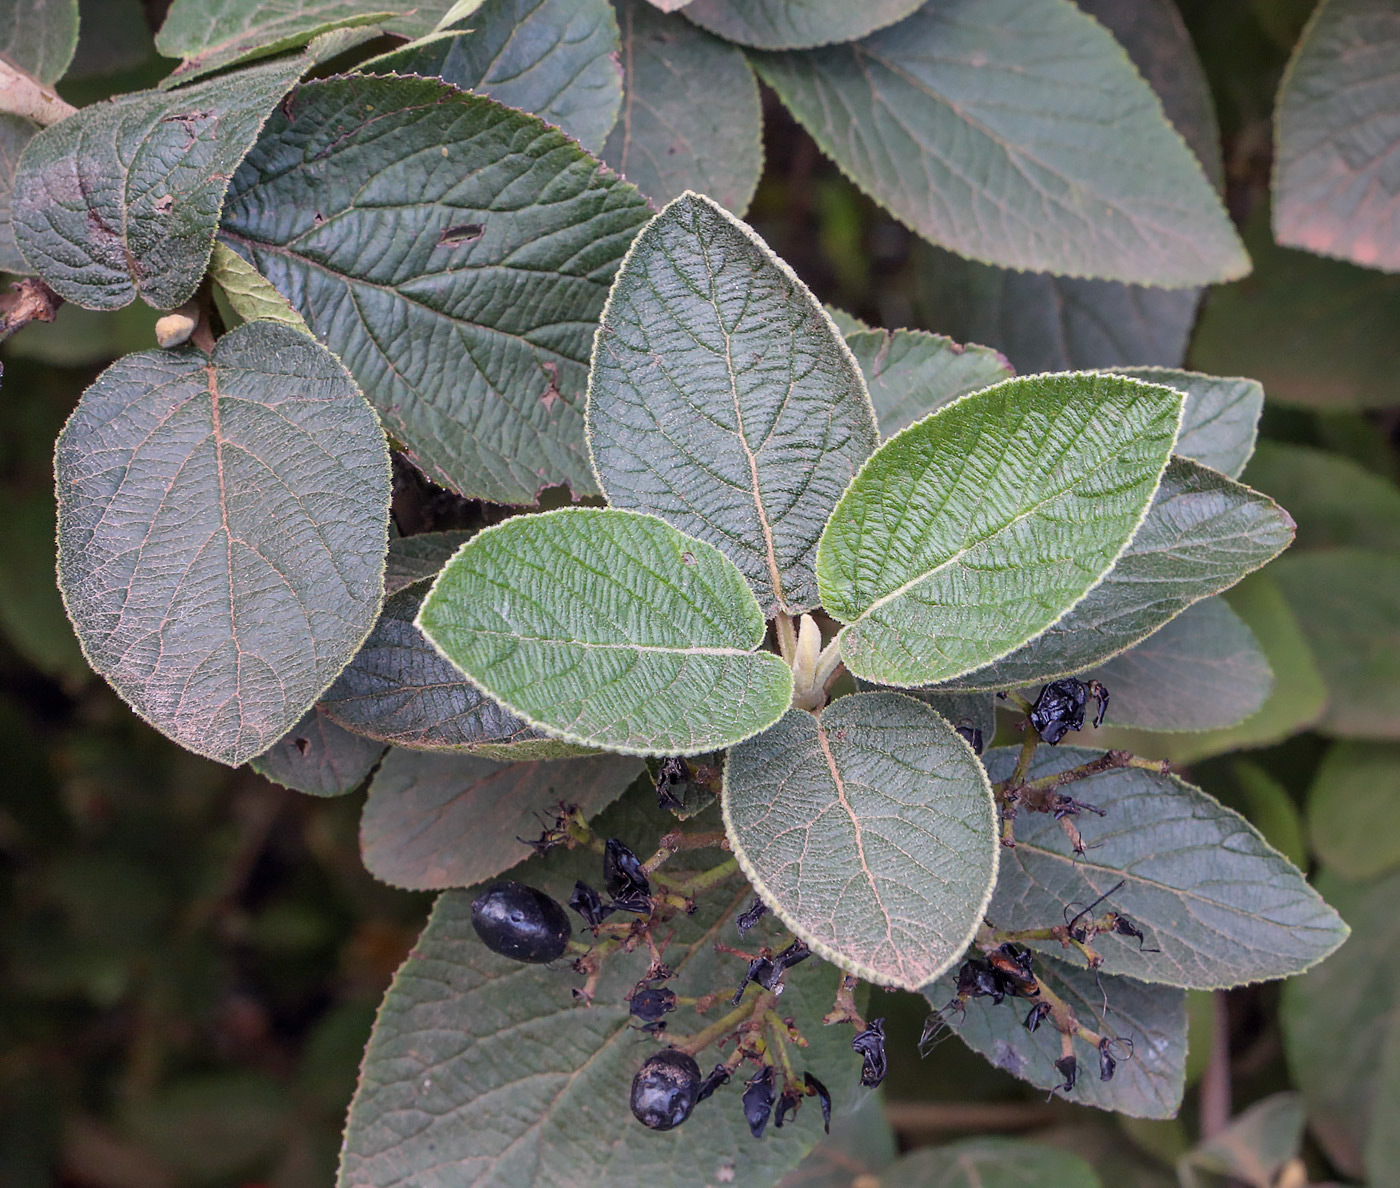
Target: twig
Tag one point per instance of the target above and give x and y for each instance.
(24, 96)
(31, 301)
(1215, 1082)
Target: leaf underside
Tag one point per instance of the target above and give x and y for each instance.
(318, 757)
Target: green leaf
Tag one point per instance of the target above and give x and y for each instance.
(31, 611)
(486, 394)
(1339, 1020)
(555, 58)
(1255, 1146)
(438, 821)
(990, 1163)
(1273, 812)
(723, 400)
(970, 121)
(1221, 419)
(785, 24)
(1149, 1085)
(975, 529)
(485, 1071)
(974, 711)
(38, 37)
(1348, 604)
(869, 831)
(610, 629)
(15, 133)
(1247, 915)
(400, 690)
(1335, 185)
(1202, 534)
(691, 118)
(318, 757)
(222, 523)
(1352, 793)
(844, 322)
(122, 199)
(1383, 1147)
(1335, 501)
(862, 1142)
(911, 373)
(249, 292)
(1297, 700)
(415, 558)
(211, 36)
(1202, 671)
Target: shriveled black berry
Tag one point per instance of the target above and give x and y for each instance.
(761, 971)
(674, 772)
(1037, 1015)
(717, 1076)
(521, 922)
(1067, 1067)
(870, 1043)
(665, 1090)
(589, 904)
(1107, 1065)
(822, 1095)
(787, 1104)
(973, 736)
(649, 1005)
(624, 878)
(758, 1100)
(977, 979)
(751, 915)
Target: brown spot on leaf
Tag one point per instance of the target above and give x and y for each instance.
(302, 745)
(461, 233)
(552, 394)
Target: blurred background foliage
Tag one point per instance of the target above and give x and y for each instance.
(190, 957)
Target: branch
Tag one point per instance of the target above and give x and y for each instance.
(24, 96)
(31, 301)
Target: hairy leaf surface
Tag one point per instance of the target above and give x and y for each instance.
(795, 24)
(456, 254)
(972, 531)
(723, 400)
(1223, 906)
(15, 133)
(222, 523)
(870, 831)
(1221, 419)
(610, 629)
(249, 292)
(970, 121)
(415, 558)
(318, 757)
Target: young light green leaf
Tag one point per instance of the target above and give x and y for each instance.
(1253, 1149)
(869, 831)
(1203, 670)
(970, 122)
(39, 37)
(437, 821)
(1147, 1084)
(975, 529)
(1336, 190)
(15, 133)
(990, 1163)
(400, 690)
(482, 1071)
(1348, 604)
(249, 292)
(472, 196)
(1339, 1020)
(795, 24)
(911, 373)
(1354, 789)
(691, 118)
(222, 523)
(610, 629)
(1245, 916)
(123, 198)
(415, 558)
(1202, 534)
(1334, 500)
(723, 400)
(555, 58)
(210, 37)
(1221, 419)
(318, 757)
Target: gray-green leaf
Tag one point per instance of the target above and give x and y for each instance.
(1221, 419)
(723, 400)
(39, 36)
(437, 821)
(123, 198)
(911, 373)
(691, 118)
(796, 24)
(1336, 190)
(970, 121)
(990, 1163)
(1334, 500)
(1355, 787)
(222, 527)
(1245, 916)
(1202, 534)
(318, 757)
(15, 133)
(1148, 1084)
(975, 529)
(555, 58)
(870, 831)
(611, 629)
(415, 558)
(475, 199)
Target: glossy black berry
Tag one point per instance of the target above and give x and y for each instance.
(521, 922)
(665, 1090)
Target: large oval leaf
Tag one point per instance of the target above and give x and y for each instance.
(1220, 422)
(1245, 915)
(990, 1163)
(970, 121)
(1335, 500)
(723, 400)
(975, 529)
(611, 629)
(471, 200)
(1353, 788)
(123, 198)
(795, 24)
(870, 831)
(1202, 534)
(318, 757)
(39, 36)
(222, 527)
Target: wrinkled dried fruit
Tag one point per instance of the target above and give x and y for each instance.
(521, 922)
(751, 915)
(624, 878)
(815, 1086)
(650, 1005)
(1067, 1067)
(589, 904)
(717, 1076)
(665, 1090)
(758, 1100)
(870, 1043)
